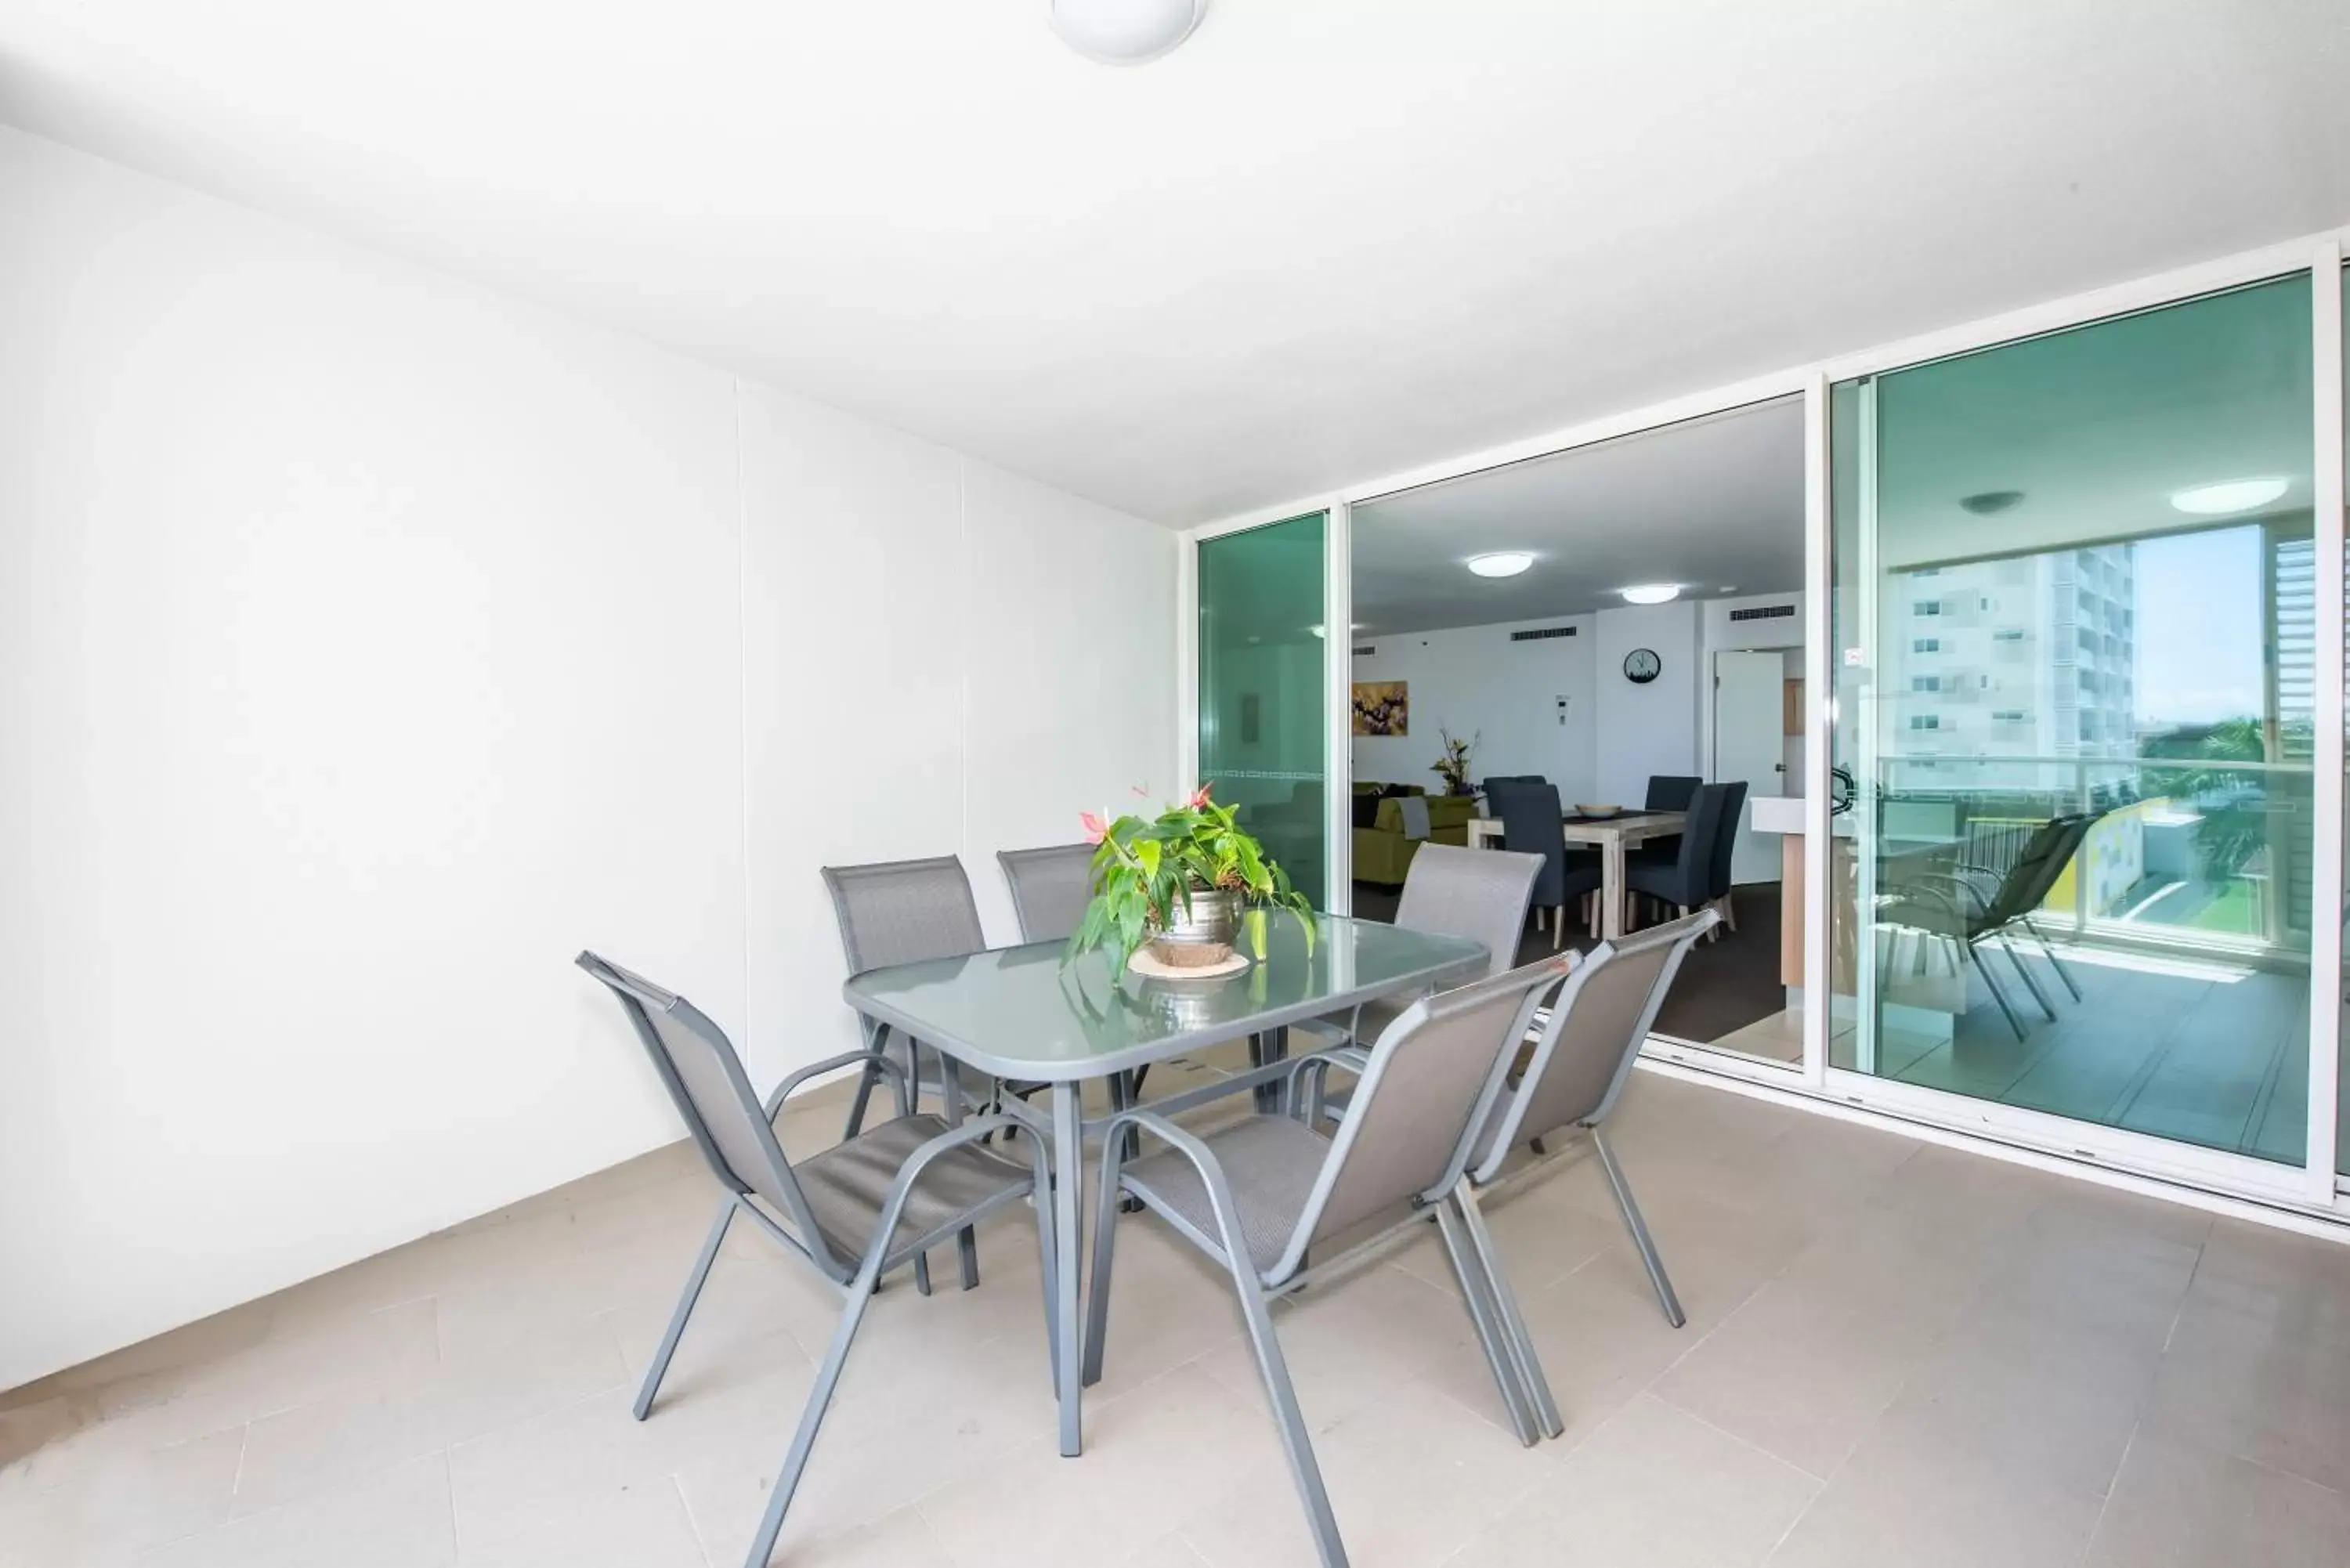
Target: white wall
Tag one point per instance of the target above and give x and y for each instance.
(1476, 683)
(1652, 728)
(369, 643)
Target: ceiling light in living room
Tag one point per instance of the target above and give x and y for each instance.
(1501, 563)
(1651, 593)
(1125, 32)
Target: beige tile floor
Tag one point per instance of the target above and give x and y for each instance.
(1895, 1353)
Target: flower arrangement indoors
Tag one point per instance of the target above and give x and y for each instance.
(1453, 765)
(1183, 882)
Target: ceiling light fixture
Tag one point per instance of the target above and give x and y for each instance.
(1125, 32)
(1651, 593)
(2230, 495)
(1501, 563)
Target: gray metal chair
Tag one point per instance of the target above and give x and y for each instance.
(871, 1204)
(1050, 889)
(1480, 894)
(1257, 1194)
(903, 911)
(900, 911)
(1572, 1082)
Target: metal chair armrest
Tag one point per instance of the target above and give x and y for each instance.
(1211, 1176)
(920, 1160)
(794, 1080)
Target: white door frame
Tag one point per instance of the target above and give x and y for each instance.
(2310, 1188)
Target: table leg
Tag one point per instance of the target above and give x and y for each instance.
(1271, 1046)
(1068, 1245)
(1611, 888)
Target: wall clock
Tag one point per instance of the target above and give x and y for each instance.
(1641, 666)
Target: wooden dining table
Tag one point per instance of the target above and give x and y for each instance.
(1612, 835)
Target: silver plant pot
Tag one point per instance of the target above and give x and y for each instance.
(1204, 936)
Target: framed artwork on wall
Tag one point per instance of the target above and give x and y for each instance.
(1382, 707)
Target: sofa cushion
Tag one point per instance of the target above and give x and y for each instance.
(1451, 810)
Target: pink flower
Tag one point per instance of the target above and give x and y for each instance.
(1199, 796)
(1097, 827)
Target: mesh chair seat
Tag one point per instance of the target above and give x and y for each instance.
(1271, 1163)
(846, 1185)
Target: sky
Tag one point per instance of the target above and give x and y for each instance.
(2198, 627)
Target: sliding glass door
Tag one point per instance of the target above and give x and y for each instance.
(2073, 657)
(1262, 689)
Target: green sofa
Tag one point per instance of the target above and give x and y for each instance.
(1382, 853)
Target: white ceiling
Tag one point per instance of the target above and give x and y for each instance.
(1715, 505)
(1325, 240)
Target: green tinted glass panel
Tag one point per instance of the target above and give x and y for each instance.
(2342, 1123)
(2074, 647)
(1262, 741)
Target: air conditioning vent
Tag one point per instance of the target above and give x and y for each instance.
(1764, 612)
(1365, 647)
(1542, 634)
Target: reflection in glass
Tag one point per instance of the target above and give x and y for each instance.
(1262, 691)
(2074, 647)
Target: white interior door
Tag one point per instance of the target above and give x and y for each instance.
(1749, 692)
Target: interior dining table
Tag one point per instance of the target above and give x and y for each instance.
(1024, 1014)
(1612, 835)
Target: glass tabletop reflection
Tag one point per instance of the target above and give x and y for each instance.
(1021, 1012)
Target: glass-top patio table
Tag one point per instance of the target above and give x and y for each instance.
(1016, 1013)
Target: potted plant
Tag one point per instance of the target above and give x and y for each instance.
(1186, 882)
(1453, 765)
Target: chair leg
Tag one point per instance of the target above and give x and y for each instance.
(1106, 1210)
(1498, 1359)
(1294, 1440)
(1124, 1094)
(1520, 1343)
(828, 1378)
(2055, 963)
(908, 1100)
(856, 1106)
(966, 1239)
(1647, 1244)
(1558, 927)
(2024, 974)
(693, 1283)
(1974, 955)
(1730, 910)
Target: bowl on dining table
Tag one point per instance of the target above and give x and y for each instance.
(1598, 813)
